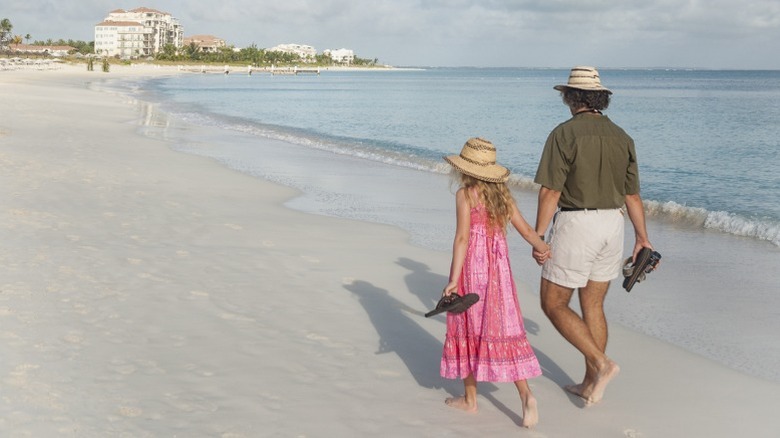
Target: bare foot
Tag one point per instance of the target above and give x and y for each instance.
(461, 403)
(530, 413)
(580, 390)
(603, 377)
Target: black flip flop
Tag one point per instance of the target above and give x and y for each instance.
(453, 303)
(646, 260)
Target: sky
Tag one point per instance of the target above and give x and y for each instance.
(710, 34)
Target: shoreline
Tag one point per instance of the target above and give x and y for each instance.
(172, 294)
(735, 268)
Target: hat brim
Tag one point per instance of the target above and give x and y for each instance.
(564, 87)
(494, 173)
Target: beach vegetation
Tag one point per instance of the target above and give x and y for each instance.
(83, 47)
(5, 32)
(253, 55)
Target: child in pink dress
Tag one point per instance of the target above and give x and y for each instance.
(487, 342)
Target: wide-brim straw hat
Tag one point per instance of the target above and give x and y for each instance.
(584, 78)
(478, 159)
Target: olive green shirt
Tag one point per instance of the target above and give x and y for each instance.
(591, 161)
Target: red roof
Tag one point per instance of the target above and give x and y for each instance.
(145, 9)
(119, 23)
(31, 47)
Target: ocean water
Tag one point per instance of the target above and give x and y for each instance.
(368, 146)
(708, 141)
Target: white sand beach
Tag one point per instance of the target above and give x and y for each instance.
(151, 293)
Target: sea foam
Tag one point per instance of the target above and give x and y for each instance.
(722, 221)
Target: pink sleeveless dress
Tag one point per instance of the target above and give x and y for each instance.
(489, 339)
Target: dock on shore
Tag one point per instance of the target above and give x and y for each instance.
(249, 70)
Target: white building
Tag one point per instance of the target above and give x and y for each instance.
(306, 53)
(136, 33)
(56, 51)
(341, 56)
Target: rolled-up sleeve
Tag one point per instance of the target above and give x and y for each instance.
(632, 172)
(553, 166)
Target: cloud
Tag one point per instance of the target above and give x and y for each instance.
(461, 32)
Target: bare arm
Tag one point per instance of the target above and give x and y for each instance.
(545, 210)
(528, 233)
(461, 241)
(636, 213)
(548, 204)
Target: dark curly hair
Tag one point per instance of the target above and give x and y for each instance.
(574, 98)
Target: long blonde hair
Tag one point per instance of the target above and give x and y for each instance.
(496, 198)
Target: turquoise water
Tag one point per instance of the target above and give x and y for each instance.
(368, 146)
(708, 141)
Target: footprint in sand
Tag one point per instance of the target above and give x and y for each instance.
(387, 373)
(268, 244)
(311, 259)
(235, 317)
(326, 341)
(125, 370)
(191, 367)
(234, 226)
(631, 433)
(20, 375)
(190, 403)
(130, 411)
(73, 338)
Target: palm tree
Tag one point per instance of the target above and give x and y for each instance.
(28, 37)
(5, 31)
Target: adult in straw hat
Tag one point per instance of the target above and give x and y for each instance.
(588, 172)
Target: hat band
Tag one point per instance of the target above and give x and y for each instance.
(481, 147)
(477, 163)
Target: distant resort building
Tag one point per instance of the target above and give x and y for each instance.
(56, 51)
(306, 53)
(139, 32)
(205, 43)
(341, 56)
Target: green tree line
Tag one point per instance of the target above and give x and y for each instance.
(189, 53)
(7, 38)
(251, 55)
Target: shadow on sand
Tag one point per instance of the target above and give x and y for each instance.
(426, 286)
(418, 349)
(398, 332)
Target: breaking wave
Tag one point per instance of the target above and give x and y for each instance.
(723, 221)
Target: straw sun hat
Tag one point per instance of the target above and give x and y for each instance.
(478, 159)
(584, 78)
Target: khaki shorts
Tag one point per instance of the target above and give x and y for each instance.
(586, 245)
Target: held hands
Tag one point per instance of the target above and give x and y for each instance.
(540, 256)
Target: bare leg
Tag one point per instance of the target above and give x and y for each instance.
(530, 411)
(599, 368)
(592, 306)
(468, 402)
